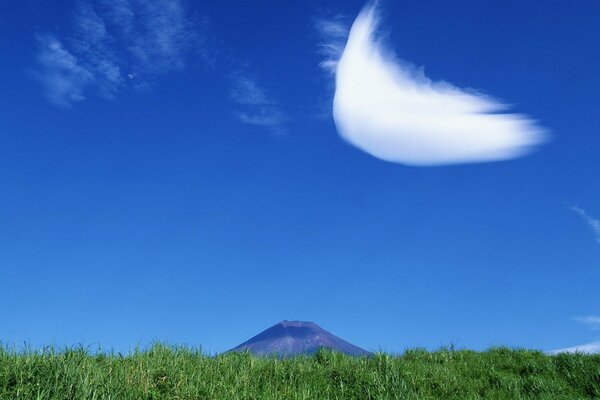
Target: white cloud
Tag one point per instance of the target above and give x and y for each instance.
(63, 77)
(116, 43)
(259, 108)
(247, 91)
(592, 222)
(589, 348)
(333, 33)
(92, 42)
(591, 320)
(162, 36)
(394, 112)
(271, 119)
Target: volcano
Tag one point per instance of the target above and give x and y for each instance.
(290, 338)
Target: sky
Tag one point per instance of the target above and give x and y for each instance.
(405, 174)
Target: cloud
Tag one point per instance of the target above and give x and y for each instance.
(259, 108)
(394, 112)
(163, 36)
(63, 76)
(266, 118)
(590, 320)
(116, 44)
(92, 42)
(589, 348)
(333, 33)
(592, 222)
(246, 91)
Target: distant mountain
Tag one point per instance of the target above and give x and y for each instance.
(289, 338)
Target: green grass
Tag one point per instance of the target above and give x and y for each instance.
(164, 372)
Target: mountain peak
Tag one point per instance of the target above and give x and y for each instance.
(307, 324)
(289, 338)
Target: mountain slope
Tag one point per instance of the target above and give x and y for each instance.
(289, 338)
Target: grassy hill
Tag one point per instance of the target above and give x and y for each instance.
(164, 372)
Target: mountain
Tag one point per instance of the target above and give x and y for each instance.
(289, 338)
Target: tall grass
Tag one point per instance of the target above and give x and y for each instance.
(165, 372)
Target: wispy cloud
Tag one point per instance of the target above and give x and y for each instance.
(332, 33)
(63, 76)
(271, 119)
(259, 108)
(392, 111)
(592, 222)
(590, 320)
(592, 348)
(589, 348)
(92, 42)
(162, 37)
(116, 43)
(247, 91)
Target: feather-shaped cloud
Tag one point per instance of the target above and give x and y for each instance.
(395, 113)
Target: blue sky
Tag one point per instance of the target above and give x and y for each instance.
(174, 171)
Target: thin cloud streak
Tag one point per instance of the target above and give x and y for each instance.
(591, 320)
(394, 112)
(333, 33)
(259, 108)
(116, 44)
(92, 42)
(589, 348)
(163, 36)
(592, 222)
(64, 77)
(246, 91)
(266, 118)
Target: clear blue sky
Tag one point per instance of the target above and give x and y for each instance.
(181, 179)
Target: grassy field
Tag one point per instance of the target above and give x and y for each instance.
(164, 372)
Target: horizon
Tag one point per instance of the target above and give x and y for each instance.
(405, 175)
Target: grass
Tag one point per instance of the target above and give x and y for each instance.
(164, 372)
